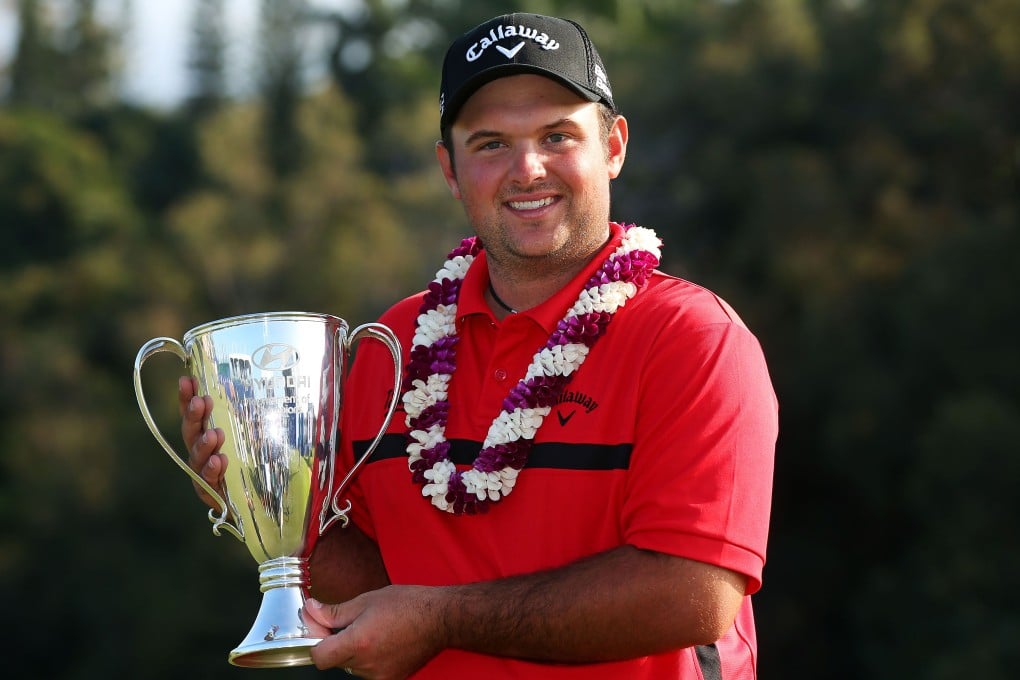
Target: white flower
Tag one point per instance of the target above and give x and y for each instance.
(441, 472)
(640, 238)
(558, 360)
(477, 483)
(585, 303)
(455, 268)
(481, 484)
(499, 432)
(434, 490)
(509, 426)
(425, 393)
(512, 424)
(414, 400)
(614, 295)
(508, 484)
(434, 324)
(528, 420)
(471, 479)
(427, 439)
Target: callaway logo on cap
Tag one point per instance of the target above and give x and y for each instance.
(521, 43)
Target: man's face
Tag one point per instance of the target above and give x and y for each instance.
(533, 172)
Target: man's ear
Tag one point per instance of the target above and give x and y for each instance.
(618, 136)
(446, 165)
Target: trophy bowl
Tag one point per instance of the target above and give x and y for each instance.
(277, 384)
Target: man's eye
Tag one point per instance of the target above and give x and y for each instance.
(557, 137)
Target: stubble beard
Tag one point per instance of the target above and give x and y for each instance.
(586, 233)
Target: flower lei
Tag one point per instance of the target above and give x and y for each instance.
(508, 442)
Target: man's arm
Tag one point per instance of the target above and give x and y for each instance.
(620, 604)
(345, 563)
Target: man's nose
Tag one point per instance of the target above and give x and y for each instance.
(529, 164)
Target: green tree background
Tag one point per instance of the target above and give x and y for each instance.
(845, 172)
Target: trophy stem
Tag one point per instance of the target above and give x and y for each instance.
(278, 637)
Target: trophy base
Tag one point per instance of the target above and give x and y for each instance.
(275, 654)
(279, 637)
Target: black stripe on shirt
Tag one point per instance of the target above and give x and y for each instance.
(549, 455)
(709, 661)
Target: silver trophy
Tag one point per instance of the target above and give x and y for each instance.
(277, 382)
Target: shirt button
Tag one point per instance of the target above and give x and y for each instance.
(500, 374)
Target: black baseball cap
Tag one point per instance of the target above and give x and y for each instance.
(518, 43)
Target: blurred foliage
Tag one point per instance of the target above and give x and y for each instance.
(845, 172)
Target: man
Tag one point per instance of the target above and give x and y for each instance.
(580, 482)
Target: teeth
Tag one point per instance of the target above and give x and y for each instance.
(531, 205)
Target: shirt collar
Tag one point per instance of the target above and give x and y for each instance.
(548, 314)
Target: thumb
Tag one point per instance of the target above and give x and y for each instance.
(329, 616)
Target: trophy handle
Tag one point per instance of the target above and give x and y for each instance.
(383, 334)
(155, 346)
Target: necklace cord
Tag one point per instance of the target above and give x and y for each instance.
(492, 292)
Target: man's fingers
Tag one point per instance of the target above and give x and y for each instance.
(203, 444)
(212, 474)
(195, 412)
(335, 650)
(212, 471)
(187, 388)
(315, 627)
(318, 612)
(205, 459)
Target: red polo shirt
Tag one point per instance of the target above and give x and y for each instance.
(663, 440)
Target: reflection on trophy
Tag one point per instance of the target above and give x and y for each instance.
(276, 380)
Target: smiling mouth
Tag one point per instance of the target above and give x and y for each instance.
(531, 205)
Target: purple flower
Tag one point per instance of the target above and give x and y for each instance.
(444, 292)
(417, 368)
(546, 389)
(583, 328)
(511, 454)
(471, 245)
(519, 397)
(634, 267)
(455, 488)
(437, 453)
(642, 263)
(436, 414)
(445, 344)
(441, 365)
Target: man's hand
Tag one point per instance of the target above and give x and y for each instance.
(203, 444)
(385, 634)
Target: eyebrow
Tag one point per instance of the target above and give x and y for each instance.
(488, 134)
